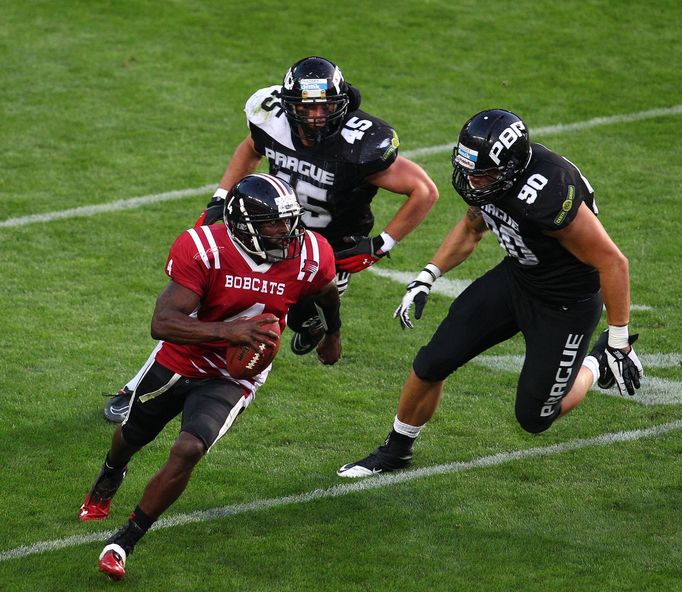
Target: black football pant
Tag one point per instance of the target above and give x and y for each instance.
(493, 309)
(209, 406)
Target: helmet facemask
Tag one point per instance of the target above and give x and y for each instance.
(490, 193)
(314, 99)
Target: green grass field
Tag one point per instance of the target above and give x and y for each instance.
(108, 101)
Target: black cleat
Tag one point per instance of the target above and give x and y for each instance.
(379, 461)
(117, 407)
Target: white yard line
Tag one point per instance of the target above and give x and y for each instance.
(378, 482)
(135, 202)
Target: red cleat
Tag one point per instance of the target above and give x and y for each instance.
(112, 561)
(97, 502)
(94, 509)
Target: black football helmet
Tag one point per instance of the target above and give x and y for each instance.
(256, 200)
(495, 143)
(312, 82)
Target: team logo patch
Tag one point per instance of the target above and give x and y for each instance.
(395, 142)
(466, 157)
(566, 206)
(310, 266)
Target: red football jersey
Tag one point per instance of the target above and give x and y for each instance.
(231, 284)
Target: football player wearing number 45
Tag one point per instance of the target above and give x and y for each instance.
(560, 265)
(312, 133)
(258, 264)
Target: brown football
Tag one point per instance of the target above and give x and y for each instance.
(244, 361)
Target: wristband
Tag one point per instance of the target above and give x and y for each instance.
(389, 242)
(220, 193)
(618, 337)
(329, 316)
(433, 270)
(428, 275)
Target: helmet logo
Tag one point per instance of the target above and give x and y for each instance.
(289, 80)
(287, 204)
(337, 79)
(507, 139)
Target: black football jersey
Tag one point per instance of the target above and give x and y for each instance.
(329, 178)
(545, 198)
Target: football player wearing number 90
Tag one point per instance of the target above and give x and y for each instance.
(312, 133)
(560, 266)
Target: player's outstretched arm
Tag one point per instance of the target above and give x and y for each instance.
(402, 177)
(586, 238)
(407, 178)
(460, 241)
(244, 161)
(457, 246)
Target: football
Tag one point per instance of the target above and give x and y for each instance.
(244, 361)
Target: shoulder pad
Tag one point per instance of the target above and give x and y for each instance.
(378, 142)
(553, 190)
(263, 105)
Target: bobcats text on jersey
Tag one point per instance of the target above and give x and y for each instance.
(254, 284)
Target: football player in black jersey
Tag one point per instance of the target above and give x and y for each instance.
(560, 266)
(312, 133)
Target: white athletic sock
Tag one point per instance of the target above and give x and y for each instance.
(591, 363)
(406, 429)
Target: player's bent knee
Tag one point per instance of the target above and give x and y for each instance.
(188, 449)
(534, 423)
(428, 369)
(136, 437)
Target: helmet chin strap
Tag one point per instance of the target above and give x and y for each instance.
(310, 138)
(274, 255)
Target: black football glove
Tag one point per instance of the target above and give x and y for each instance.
(214, 210)
(626, 368)
(363, 252)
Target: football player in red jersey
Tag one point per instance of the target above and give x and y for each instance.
(313, 134)
(261, 261)
(560, 265)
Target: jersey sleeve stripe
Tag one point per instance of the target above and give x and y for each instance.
(200, 247)
(304, 256)
(315, 248)
(214, 247)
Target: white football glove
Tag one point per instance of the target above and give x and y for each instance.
(417, 293)
(626, 367)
